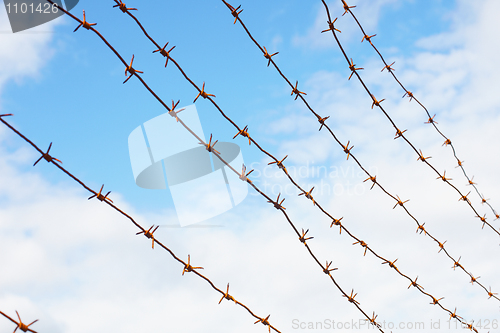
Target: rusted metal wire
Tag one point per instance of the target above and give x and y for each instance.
(244, 131)
(187, 267)
(20, 325)
(210, 147)
(399, 134)
(279, 163)
(411, 96)
(346, 147)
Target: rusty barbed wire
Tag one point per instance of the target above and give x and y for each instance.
(210, 149)
(346, 148)
(298, 93)
(187, 267)
(411, 96)
(244, 131)
(20, 325)
(399, 134)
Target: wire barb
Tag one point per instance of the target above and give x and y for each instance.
(277, 204)
(122, 6)
(351, 297)
(375, 102)
(149, 234)
(331, 26)
(296, 91)
(131, 70)
(363, 244)
(389, 67)
(279, 164)
(399, 133)
(234, 11)
(337, 222)
(368, 38)
(227, 296)
(352, 67)
(47, 157)
(415, 284)
(244, 176)
(265, 322)
(244, 132)
(400, 202)
(373, 179)
(100, 196)
(421, 228)
(303, 238)
(327, 269)
(421, 156)
(165, 53)
(188, 267)
(372, 319)
(431, 120)
(443, 177)
(172, 111)
(308, 195)
(84, 23)
(268, 56)
(409, 94)
(322, 122)
(346, 7)
(347, 150)
(436, 301)
(202, 93)
(210, 146)
(457, 264)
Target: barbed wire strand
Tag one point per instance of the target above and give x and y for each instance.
(399, 133)
(347, 150)
(277, 204)
(307, 195)
(447, 142)
(20, 325)
(147, 232)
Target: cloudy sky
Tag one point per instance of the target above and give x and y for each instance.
(77, 265)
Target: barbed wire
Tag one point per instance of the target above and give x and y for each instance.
(235, 12)
(399, 133)
(210, 148)
(244, 132)
(148, 233)
(20, 325)
(447, 142)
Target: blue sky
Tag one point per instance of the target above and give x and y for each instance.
(87, 271)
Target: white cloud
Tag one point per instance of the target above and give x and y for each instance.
(23, 54)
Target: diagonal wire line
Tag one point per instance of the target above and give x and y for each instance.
(277, 204)
(307, 195)
(447, 142)
(399, 133)
(347, 150)
(20, 325)
(147, 232)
